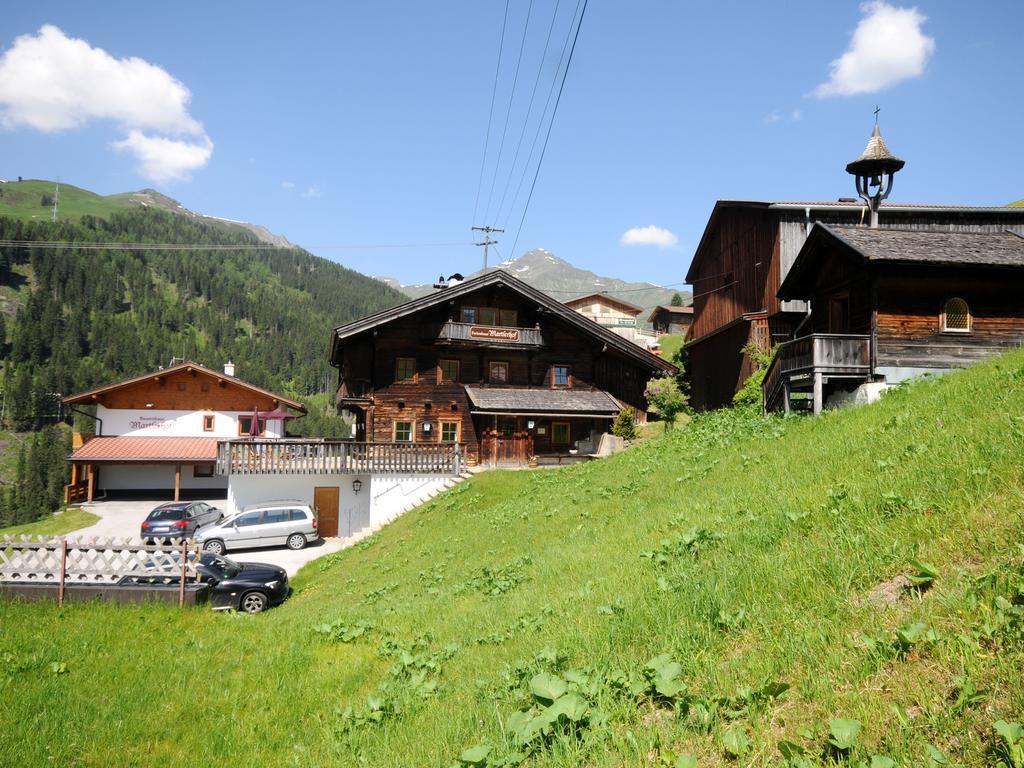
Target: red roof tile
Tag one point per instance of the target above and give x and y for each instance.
(148, 449)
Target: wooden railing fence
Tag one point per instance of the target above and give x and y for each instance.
(275, 457)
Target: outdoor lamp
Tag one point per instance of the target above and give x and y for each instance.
(356, 485)
(426, 426)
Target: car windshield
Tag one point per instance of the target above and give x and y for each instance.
(225, 566)
(167, 513)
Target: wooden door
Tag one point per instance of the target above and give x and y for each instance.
(325, 504)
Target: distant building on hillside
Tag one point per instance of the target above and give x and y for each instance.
(749, 248)
(616, 315)
(671, 320)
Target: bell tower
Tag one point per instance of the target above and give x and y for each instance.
(874, 171)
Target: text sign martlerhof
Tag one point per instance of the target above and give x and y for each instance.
(491, 333)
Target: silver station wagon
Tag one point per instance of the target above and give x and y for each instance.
(290, 523)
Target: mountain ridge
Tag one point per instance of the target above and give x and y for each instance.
(559, 278)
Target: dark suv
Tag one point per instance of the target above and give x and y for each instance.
(178, 520)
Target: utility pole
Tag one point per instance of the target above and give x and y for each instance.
(56, 199)
(487, 240)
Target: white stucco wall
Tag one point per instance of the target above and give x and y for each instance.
(129, 477)
(146, 422)
(381, 499)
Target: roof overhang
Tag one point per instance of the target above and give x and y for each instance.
(126, 449)
(90, 396)
(501, 278)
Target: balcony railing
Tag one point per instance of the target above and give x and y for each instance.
(494, 335)
(828, 354)
(335, 457)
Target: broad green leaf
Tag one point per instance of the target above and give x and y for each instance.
(736, 742)
(935, 755)
(664, 667)
(773, 689)
(790, 749)
(1011, 733)
(843, 733)
(669, 688)
(547, 687)
(881, 761)
(572, 705)
(686, 761)
(476, 756)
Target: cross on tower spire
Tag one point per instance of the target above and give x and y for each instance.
(877, 110)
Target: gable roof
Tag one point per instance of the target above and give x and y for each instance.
(854, 208)
(902, 246)
(499, 277)
(187, 366)
(671, 310)
(608, 299)
(147, 449)
(540, 402)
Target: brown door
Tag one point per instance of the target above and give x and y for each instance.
(325, 503)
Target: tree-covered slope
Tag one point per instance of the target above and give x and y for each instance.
(90, 315)
(743, 591)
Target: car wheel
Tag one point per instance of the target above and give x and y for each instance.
(215, 547)
(296, 541)
(253, 602)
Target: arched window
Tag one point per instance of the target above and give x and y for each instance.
(956, 316)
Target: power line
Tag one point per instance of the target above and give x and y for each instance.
(529, 110)
(540, 122)
(490, 115)
(508, 112)
(90, 245)
(551, 124)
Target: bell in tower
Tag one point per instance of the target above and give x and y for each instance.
(874, 171)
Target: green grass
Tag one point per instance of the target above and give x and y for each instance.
(447, 614)
(54, 525)
(670, 344)
(22, 199)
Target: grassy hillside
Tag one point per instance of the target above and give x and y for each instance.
(23, 200)
(734, 591)
(54, 525)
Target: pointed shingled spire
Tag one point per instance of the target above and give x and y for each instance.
(875, 158)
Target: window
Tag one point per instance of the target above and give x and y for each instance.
(405, 369)
(182, 386)
(403, 431)
(469, 314)
(447, 370)
(207, 422)
(297, 515)
(956, 316)
(508, 318)
(250, 518)
(488, 316)
(560, 376)
(560, 433)
(275, 516)
(497, 372)
(202, 470)
(245, 426)
(449, 431)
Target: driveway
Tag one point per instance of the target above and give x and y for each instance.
(122, 519)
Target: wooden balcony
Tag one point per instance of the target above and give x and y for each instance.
(336, 457)
(808, 362)
(489, 335)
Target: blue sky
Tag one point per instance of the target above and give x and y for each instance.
(364, 123)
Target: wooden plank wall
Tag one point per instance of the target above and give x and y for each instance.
(183, 391)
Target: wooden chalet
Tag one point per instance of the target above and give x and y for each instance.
(493, 365)
(890, 304)
(749, 247)
(667, 319)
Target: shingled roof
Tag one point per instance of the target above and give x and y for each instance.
(903, 246)
(502, 278)
(541, 402)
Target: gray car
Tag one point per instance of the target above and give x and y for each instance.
(289, 523)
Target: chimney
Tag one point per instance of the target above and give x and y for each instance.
(229, 368)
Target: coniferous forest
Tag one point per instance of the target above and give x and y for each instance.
(94, 314)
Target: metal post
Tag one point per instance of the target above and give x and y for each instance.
(63, 571)
(181, 586)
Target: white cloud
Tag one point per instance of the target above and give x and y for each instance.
(288, 185)
(51, 82)
(163, 159)
(650, 235)
(772, 117)
(796, 115)
(313, 190)
(887, 46)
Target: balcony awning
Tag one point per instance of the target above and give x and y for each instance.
(147, 450)
(512, 401)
